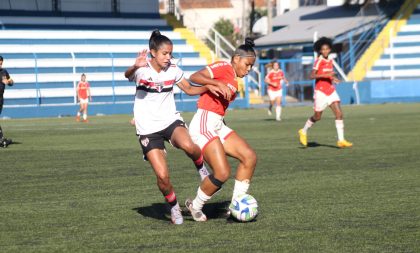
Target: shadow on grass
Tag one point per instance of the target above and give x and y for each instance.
(316, 145)
(160, 211)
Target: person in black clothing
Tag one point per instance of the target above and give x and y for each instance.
(5, 80)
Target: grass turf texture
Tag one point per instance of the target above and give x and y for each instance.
(75, 187)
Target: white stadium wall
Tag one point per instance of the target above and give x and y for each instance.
(125, 6)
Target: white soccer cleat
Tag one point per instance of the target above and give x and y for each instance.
(197, 215)
(269, 112)
(203, 172)
(176, 215)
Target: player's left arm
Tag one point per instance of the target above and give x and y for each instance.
(7, 79)
(89, 93)
(186, 87)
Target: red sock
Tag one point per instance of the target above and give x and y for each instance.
(171, 198)
(199, 162)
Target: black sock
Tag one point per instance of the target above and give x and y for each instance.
(1, 133)
(270, 107)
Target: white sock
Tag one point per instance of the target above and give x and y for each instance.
(308, 125)
(176, 206)
(203, 172)
(339, 124)
(241, 187)
(84, 116)
(200, 199)
(278, 112)
(78, 114)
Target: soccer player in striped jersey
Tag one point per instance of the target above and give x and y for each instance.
(215, 138)
(274, 79)
(325, 94)
(156, 117)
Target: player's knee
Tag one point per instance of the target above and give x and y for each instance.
(189, 147)
(222, 176)
(316, 117)
(339, 116)
(249, 158)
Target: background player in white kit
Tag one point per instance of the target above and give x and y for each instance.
(155, 114)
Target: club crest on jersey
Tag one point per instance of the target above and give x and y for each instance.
(145, 142)
(159, 87)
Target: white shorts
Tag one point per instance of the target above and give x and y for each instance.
(207, 126)
(84, 101)
(274, 94)
(322, 101)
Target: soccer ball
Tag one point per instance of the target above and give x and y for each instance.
(244, 208)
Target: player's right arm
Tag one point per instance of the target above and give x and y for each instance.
(203, 77)
(141, 61)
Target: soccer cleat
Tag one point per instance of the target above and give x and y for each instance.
(176, 215)
(203, 172)
(78, 118)
(278, 119)
(197, 215)
(344, 144)
(269, 112)
(303, 138)
(85, 121)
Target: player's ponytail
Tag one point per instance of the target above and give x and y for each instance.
(157, 39)
(246, 49)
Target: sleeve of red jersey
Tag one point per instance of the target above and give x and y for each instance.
(217, 69)
(316, 64)
(179, 75)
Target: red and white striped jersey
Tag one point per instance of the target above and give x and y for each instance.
(154, 105)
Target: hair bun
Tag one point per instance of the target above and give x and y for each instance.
(249, 42)
(155, 33)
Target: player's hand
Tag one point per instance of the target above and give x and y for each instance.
(215, 90)
(10, 82)
(335, 80)
(141, 59)
(225, 91)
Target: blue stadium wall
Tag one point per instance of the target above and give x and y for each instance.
(381, 91)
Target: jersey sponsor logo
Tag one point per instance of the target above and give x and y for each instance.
(220, 64)
(144, 141)
(231, 87)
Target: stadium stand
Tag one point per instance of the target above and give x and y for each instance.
(46, 56)
(401, 60)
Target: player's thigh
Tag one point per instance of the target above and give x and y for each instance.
(278, 100)
(180, 138)
(237, 147)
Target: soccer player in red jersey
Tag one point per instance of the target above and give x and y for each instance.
(325, 94)
(155, 115)
(209, 131)
(274, 79)
(83, 96)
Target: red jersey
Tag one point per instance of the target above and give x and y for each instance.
(324, 66)
(83, 88)
(224, 72)
(275, 77)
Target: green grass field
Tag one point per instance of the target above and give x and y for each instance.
(74, 187)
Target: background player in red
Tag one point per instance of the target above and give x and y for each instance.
(274, 79)
(209, 131)
(325, 94)
(83, 96)
(156, 117)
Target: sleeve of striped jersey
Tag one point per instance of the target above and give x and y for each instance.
(179, 75)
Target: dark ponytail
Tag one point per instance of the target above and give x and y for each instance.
(157, 39)
(246, 49)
